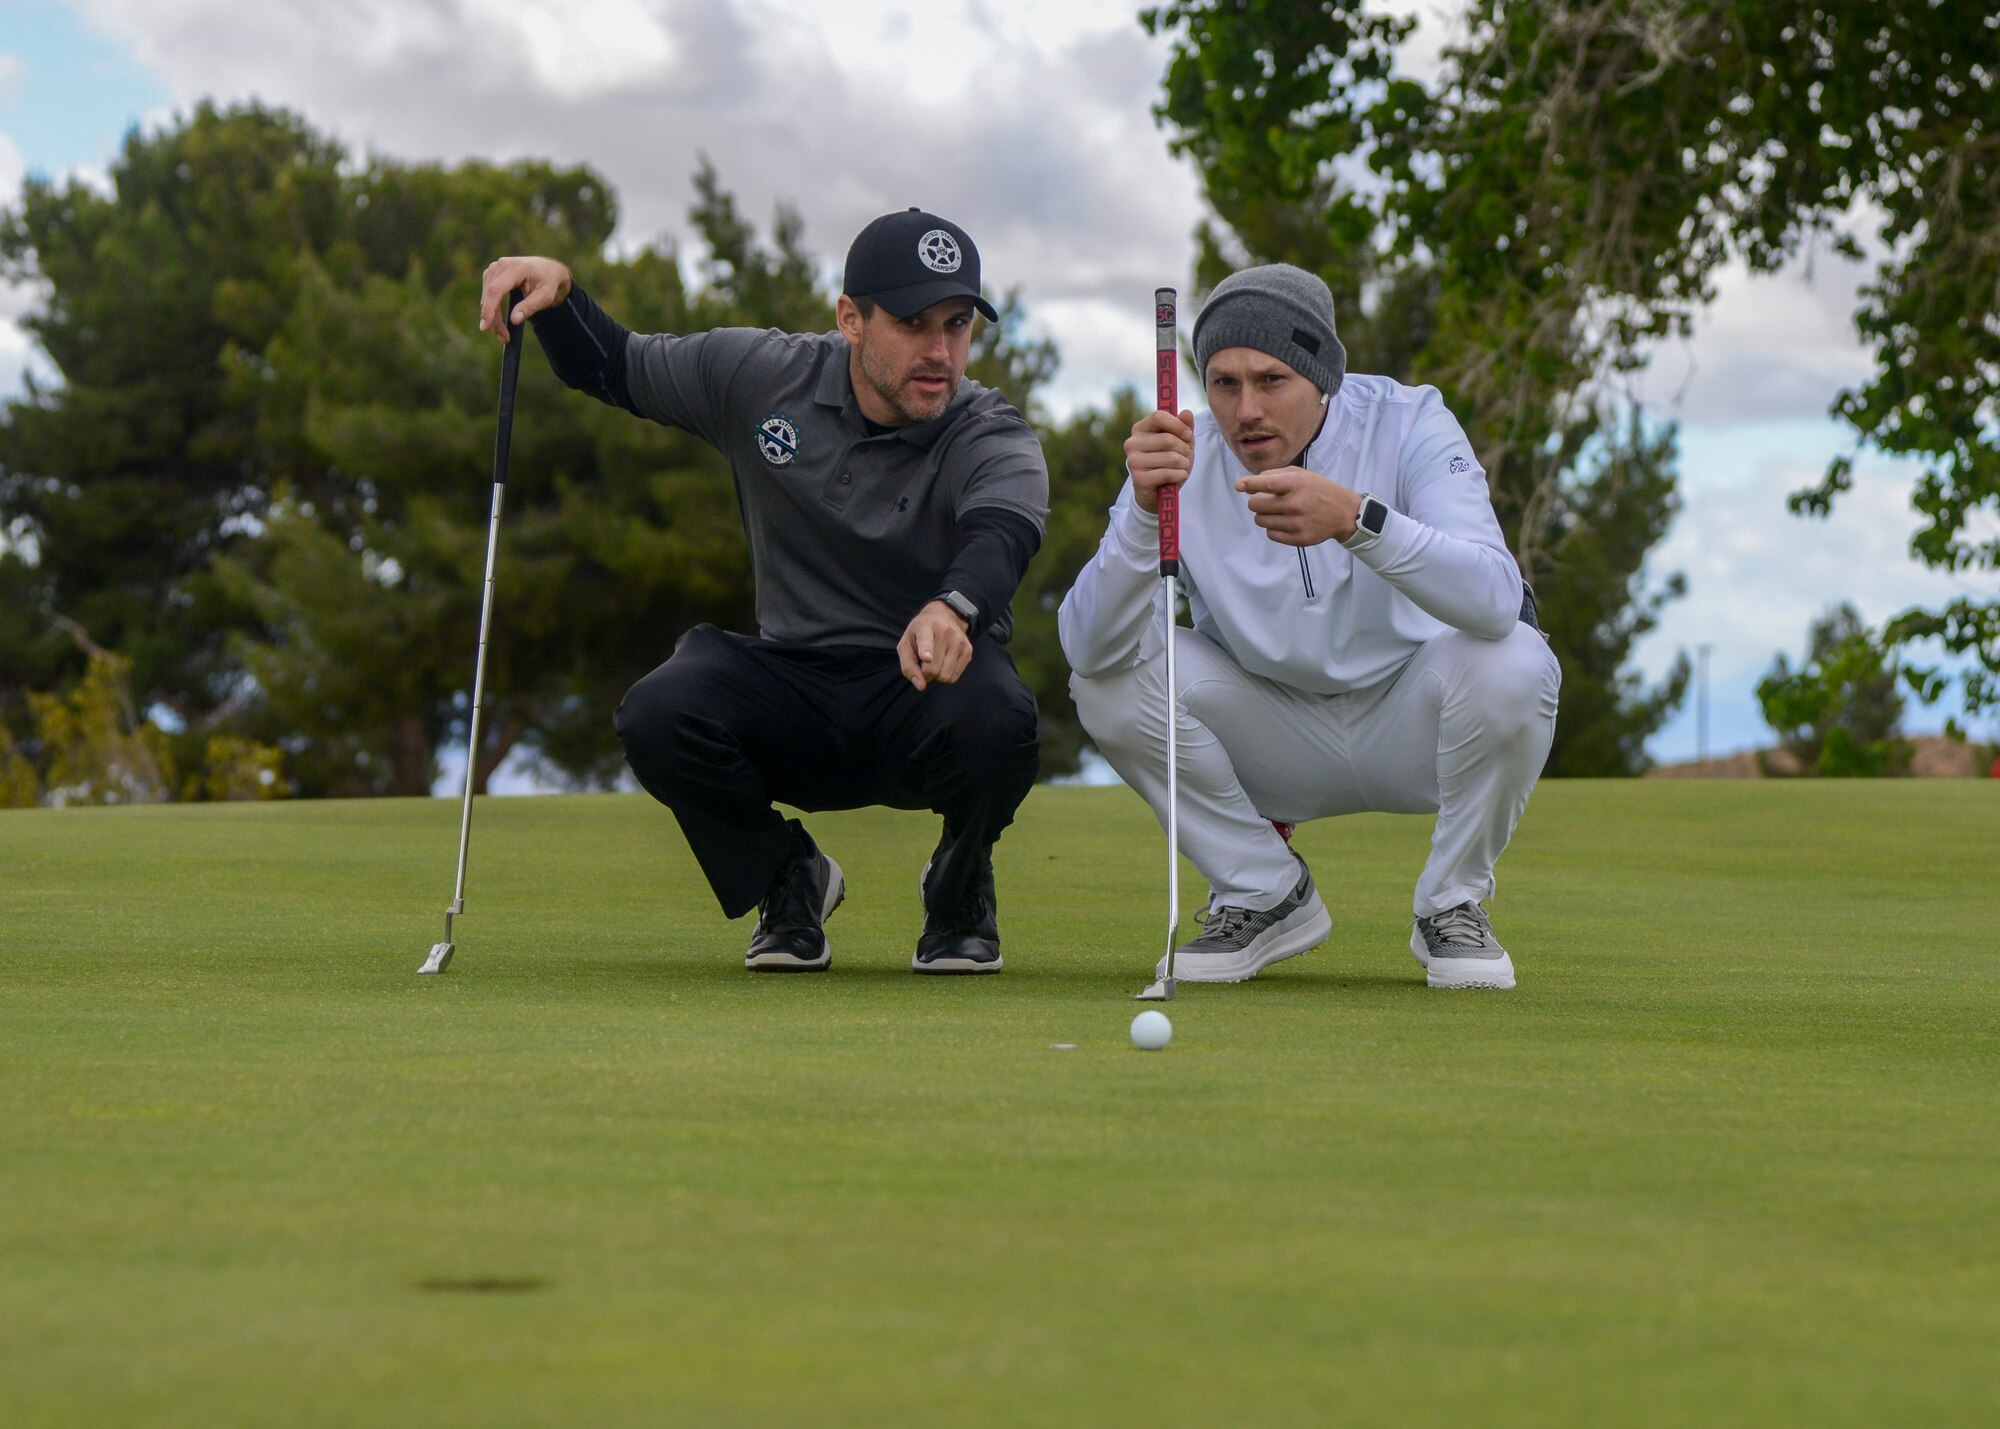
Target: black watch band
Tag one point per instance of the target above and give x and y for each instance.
(967, 611)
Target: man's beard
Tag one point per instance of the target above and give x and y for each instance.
(890, 388)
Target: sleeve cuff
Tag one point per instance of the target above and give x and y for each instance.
(1139, 530)
(1379, 548)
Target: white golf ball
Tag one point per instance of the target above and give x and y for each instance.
(1151, 1031)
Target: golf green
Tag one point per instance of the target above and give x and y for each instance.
(1729, 1155)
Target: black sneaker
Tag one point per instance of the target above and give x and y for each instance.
(791, 921)
(966, 939)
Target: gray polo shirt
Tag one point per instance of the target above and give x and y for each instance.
(850, 533)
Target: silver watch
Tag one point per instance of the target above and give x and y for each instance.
(1370, 518)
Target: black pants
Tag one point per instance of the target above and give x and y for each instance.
(731, 723)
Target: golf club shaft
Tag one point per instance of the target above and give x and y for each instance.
(510, 368)
(1167, 358)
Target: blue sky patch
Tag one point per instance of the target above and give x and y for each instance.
(68, 95)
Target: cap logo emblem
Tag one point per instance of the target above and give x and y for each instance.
(938, 251)
(778, 440)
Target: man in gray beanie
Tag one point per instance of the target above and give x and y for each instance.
(1363, 640)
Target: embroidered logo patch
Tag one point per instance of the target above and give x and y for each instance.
(1459, 466)
(938, 251)
(778, 440)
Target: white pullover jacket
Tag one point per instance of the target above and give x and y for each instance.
(1327, 618)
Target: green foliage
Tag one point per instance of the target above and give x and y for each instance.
(1603, 160)
(1086, 457)
(238, 770)
(95, 749)
(1840, 713)
(204, 317)
(20, 783)
(1596, 528)
(130, 476)
(266, 474)
(89, 744)
(1313, 151)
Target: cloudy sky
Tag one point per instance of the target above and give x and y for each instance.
(1029, 122)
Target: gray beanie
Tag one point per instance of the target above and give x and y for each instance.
(1280, 310)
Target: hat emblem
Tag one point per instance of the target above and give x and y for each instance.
(938, 251)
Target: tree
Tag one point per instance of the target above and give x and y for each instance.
(618, 535)
(1606, 158)
(614, 533)
(118, 486)
(130, 492)
(1841, 713)
(1284, 107)
(265, 476)
(1086, 457)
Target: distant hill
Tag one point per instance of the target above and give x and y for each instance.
(1936, 757)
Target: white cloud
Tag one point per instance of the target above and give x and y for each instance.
(1758, 576)
(1438, 24)
(581, 50)
(1770, 347)
(13, 169)
(1029, 122)
(16, 352)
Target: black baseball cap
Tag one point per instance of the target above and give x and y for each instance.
(907, 261)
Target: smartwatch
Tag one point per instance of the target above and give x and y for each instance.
(1371, 516)
(966, 610)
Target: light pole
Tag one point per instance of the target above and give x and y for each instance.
(1701, 702)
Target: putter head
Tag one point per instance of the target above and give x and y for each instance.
(439, 959)
(1160, 991)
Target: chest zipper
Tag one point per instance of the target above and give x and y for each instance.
(1305, 573)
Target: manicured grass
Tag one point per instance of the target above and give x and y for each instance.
(1730, 1154)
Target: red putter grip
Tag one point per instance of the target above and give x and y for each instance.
(1166, 372)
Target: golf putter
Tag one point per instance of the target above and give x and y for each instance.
(510, 369)
(1166, 363)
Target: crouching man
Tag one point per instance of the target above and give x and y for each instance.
(891, 506)
(1363, 640)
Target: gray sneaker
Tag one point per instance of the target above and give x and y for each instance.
(1458, 949)
(1238, 943)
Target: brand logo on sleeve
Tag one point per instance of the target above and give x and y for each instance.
(778, 440)
(938, 251)
(1459, 466)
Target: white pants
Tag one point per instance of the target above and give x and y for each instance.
(1462, 730)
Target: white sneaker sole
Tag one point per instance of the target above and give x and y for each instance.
(954, 965)
(836, 890)
(946, 965)
(1305, 930)
(1495, 973)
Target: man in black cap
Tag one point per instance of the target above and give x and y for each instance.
(891, 508)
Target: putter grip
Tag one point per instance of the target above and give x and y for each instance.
(1166, 371)
(510, 372)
